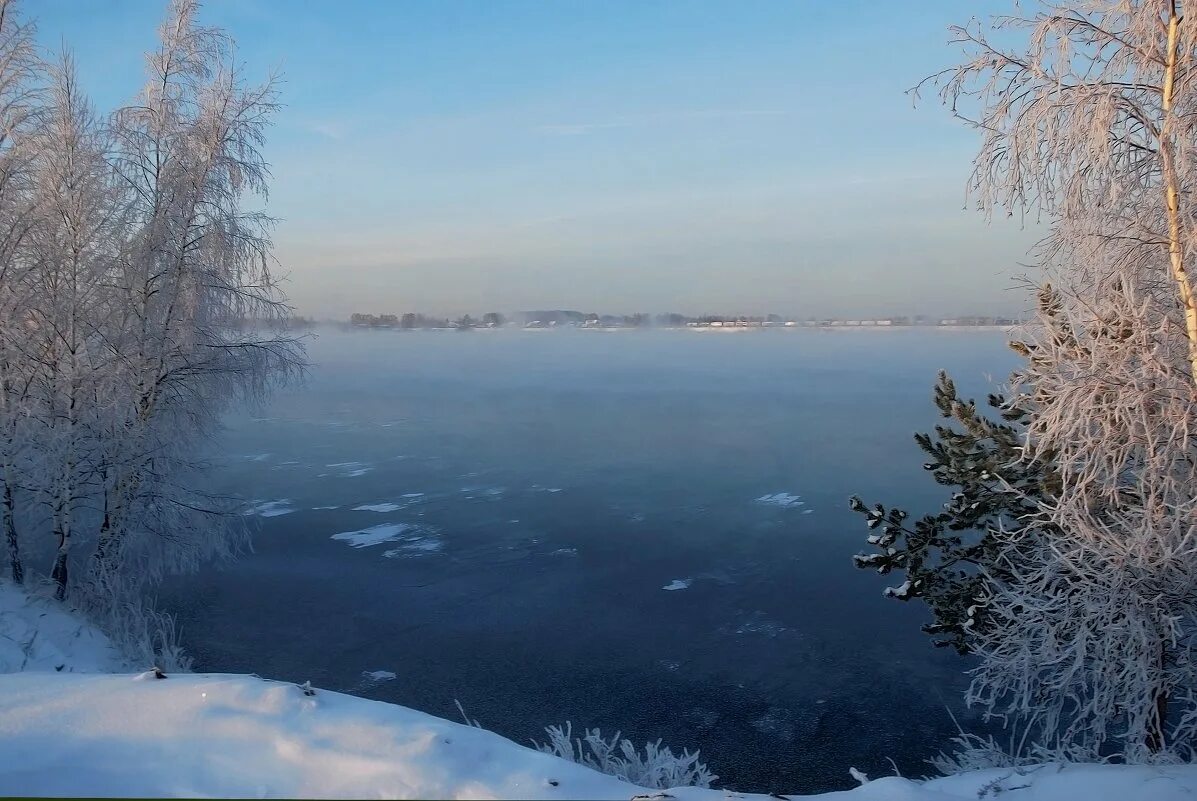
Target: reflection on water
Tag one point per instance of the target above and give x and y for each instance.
(645, 531)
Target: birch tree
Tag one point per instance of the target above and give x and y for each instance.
(137, 303)
(195, 285)
(19, 73)
(71, 250)
(1092, 127)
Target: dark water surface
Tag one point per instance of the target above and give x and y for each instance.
(542, 488)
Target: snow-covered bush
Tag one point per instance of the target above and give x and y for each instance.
(657, 767)
(144, 635)
(972, 752)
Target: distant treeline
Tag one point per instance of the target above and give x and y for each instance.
(566, 318)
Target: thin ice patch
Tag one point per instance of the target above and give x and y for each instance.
(270, 508)
(408, 499)
(416, 546)
(678, 584)
(378, 507)
(375, 535)
(484, 493)
(350, 469)
(757, 623)
(782, 499)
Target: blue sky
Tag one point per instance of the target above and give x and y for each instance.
(613, 155)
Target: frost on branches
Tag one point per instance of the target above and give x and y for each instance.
(658, 767)
(1090, 601)
(136, 303)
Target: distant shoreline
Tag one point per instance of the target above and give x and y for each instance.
(697, 329)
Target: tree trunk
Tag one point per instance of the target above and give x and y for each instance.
(108, 540)
(1155, 735)
(10, 536)
(1156, 723)
(59, 572)
(101, 567)
(59, 575)
(1172, 194)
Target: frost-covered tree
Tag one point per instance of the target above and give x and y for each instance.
(193, 278)
(71, 248)
(20, 71)
(137, 302)
(1091, 124)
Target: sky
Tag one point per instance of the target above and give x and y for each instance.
(454, 156)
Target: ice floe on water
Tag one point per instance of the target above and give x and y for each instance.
(350, 469)
(483, 493)
(378, 675)
(717, 576)
(375, 535)
(326, 507)
(406, 500)
(282, 506)
(378, 507)
(416, 546)
(414, 540)
(565, 552)
(539, 488)
(783, 499)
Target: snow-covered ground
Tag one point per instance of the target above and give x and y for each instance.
(69, 729)
(40, 634)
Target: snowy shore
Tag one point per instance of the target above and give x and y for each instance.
(70, 726)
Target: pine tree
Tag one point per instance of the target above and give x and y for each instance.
(948, 557)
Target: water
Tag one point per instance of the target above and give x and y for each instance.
(543, 488)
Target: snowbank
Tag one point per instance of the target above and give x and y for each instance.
(40, 634)
(68, 732)
(221, 735)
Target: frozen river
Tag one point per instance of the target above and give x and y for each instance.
(644, 531)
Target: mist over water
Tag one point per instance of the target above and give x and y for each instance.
(636, 530)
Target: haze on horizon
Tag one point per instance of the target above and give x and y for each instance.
(675, 155)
